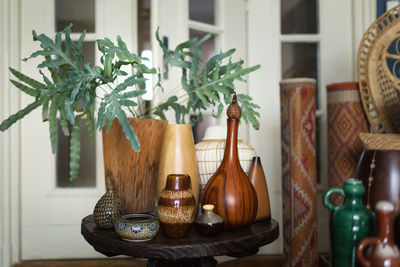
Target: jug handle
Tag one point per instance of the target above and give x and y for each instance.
(360, 249)
(327, 202)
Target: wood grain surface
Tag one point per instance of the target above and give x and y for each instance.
(246, 241)
(178, 156)
(134, 174)
(229, 189)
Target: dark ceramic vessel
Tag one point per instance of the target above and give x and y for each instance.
(380, 172)
(107, 210)
(209, 223)
(350, 222)
(176, 206)
(384, 253)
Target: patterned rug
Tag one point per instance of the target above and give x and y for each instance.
(346, 120)
(299, 169)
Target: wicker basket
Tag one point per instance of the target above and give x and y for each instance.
(380, 141)
(378, 83)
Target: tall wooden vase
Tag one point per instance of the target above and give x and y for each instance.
(229, 189)
(134, 174)
(257, 178)
(178, 156)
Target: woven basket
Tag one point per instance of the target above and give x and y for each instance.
(211, 150)
(377, 63)
(380, 141)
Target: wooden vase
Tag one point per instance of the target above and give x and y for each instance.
(257, 178)
(229, 189)
(134, 174)
(178, 156)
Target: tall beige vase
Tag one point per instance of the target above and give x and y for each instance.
(178, 156)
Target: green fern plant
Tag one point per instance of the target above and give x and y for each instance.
(72, 87)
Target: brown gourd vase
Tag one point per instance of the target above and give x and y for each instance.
(176, 206)
(229, 189)
(257, 178)
(384, 252)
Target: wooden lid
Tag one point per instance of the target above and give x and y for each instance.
(234, 111)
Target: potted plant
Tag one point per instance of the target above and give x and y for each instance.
(73, 88)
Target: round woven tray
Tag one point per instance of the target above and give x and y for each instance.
(377, 64)
(371, 141)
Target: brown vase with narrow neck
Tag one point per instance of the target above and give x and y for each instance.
(229, 189)
(176, 206)
(384, 253)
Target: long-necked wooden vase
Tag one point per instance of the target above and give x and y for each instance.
(229, 189)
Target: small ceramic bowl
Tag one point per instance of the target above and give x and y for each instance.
(137, 227)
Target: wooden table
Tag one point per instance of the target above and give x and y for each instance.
(193, 250)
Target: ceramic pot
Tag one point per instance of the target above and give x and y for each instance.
(384, 253)
(380, 172)
(229, 189)
(137, 227)
(134, 174)
(257, 178)
(176, 206)
(210, 151)
(346, 119)
(209, 223)
(350, 222)
(108, 209)
(178, 156)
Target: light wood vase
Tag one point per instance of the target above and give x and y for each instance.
(134, 174)
(257, 178)
(178, 156)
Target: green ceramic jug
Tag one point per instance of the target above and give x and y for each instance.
(350, 223)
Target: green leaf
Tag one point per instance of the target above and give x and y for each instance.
(75, 150)
(19, 115)
(45, 111)
(201, 97)
(64, 126)
(128, 130)
(90, 123)
(53, 122)
(69, 110)
(29, 81)
(101, 118)
(28, 90)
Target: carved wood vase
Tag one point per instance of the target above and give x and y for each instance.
(229, 189)
(134, 174)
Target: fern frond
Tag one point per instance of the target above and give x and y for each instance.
(74, 150)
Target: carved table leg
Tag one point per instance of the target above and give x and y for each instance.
(196, 262)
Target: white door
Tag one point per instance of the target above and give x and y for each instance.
(180, 20)
(52, 208)
(281, 36)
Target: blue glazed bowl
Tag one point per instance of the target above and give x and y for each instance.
(137, 227)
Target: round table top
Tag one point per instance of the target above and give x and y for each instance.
(238, 243)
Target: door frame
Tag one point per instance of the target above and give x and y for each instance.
(9, 140)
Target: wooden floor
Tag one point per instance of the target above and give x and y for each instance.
(259, 261)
